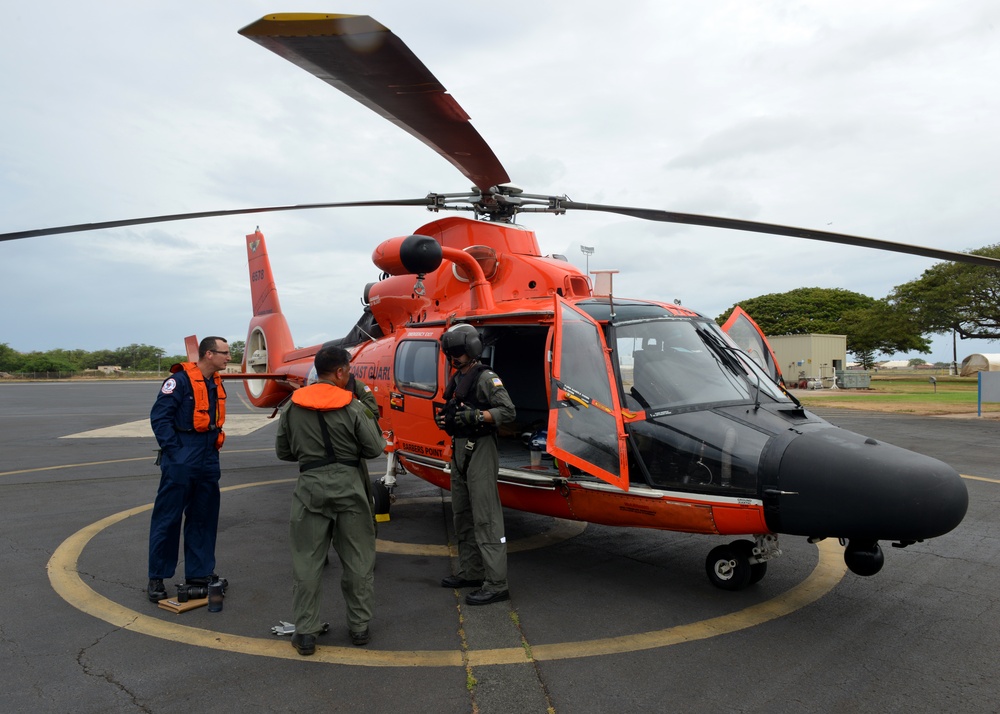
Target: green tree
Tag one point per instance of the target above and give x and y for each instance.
(144, 358)
(44, 362)
(802, 311)
(236, 348)
(100, 358)
(955, 296)
(872, 326)
(77, 358)
(10, 359)
(881, 328)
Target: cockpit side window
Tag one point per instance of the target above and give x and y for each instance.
(666, 363)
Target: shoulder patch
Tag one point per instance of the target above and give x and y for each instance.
(367, 388)
(169, 386)
(497, 382)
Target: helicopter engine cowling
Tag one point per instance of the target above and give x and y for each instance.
(409, 255)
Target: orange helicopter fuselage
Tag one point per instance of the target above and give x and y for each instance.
(493, 276)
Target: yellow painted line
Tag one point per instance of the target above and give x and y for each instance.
(980, 478)
(149, 458)
(66, 580)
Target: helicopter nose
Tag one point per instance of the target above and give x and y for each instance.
(835, 483)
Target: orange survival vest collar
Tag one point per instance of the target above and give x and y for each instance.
(322, 397)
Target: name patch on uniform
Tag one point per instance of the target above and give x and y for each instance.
(497, 382)
(169, 386)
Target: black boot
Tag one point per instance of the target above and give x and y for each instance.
(156, 590)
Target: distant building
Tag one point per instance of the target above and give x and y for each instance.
(809, 360)
(894, 364)
(109, 369)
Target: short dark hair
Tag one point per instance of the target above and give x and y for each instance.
(208, 344)
(330, 359)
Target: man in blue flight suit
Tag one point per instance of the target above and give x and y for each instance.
(187, 419)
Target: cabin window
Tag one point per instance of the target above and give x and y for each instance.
(416, 367)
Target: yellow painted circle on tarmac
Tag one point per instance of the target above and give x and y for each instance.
(66, 580)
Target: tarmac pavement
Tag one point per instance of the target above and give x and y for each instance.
(600, 619)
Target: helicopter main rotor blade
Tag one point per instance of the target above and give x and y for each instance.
(81, 227)
(366, 61)
(693, 219)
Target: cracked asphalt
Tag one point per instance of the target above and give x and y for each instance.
(920, 636)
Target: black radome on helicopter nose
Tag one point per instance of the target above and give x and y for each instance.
(834, 483)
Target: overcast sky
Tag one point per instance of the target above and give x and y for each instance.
(872, 118)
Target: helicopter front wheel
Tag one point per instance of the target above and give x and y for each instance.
(728, 567)
(734, 566)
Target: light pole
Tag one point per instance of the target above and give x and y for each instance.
(587, 250)
(953, 371)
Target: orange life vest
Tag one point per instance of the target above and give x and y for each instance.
(322, 397)
(202, 419)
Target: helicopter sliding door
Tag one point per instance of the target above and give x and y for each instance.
(584, 412)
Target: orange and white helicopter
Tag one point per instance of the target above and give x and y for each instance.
(639, 413)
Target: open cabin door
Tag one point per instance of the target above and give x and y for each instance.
(584, 411)
(750, 338)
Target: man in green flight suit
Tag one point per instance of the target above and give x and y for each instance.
(476, 404)
(329, 432)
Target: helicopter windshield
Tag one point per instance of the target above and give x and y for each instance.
(672, 362)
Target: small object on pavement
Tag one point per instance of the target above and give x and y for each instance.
(288, 628)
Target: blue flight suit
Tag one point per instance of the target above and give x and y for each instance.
(189, 482)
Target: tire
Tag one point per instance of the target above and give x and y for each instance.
(728, 568)
(745, 548)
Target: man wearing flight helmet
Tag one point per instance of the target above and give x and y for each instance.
(476, 404)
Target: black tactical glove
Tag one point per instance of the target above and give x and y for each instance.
(467, 417)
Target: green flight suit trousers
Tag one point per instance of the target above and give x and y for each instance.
(478, 514)
(342, 517)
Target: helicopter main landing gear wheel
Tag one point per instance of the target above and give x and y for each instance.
(732, 567)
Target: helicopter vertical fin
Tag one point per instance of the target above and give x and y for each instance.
(191, 347)
(269, 341)
(263, 292)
